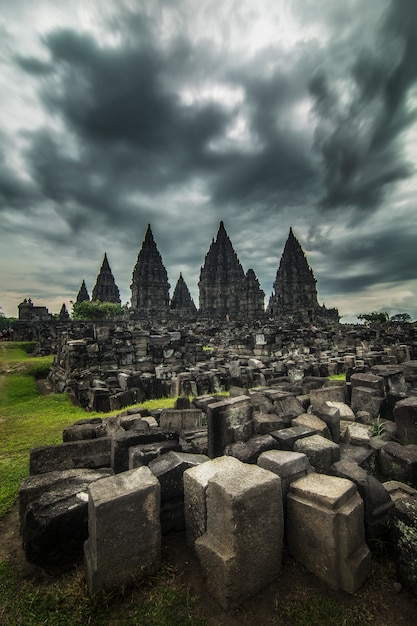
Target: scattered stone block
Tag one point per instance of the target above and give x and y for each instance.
(241, 551)
(370, 381)
(124, 529)
(85, 429)
(288, 405)
(145, 453)
(331, 416)
(248, 451)
(332, 393)
(286, 437)
(264, 423)
(228, 421)
(289, 466)
(399, 462)
(345, 412)
(321, 452)
(314, 423)
(90, 454)
(53, 516)
(357, 434)
(378, 506)
(405, 415)
(122, 442)
(404, 538)
(399, 490)
(366, 399)
(169, 469)
(325, 530)
(181, 419)
(195, 484)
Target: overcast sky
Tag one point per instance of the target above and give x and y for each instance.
(265, 114)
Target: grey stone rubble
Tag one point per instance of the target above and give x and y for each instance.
(287, 459)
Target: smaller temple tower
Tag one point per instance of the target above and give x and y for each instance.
(150, 287)
(105, 288)
(182, 303)
(82, 295)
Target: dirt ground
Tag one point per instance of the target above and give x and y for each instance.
(379, 597)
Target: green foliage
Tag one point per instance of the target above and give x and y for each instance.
(401, 317)
(97, 310)
(375, 317)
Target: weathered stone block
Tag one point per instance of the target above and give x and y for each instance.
(144, 453)
(228, 421)
(378, 507)
(370, 381)
(399, 462)
(399, 490)
(325, 530)
(329, 414)
(169, 469)
(181, 419)
(264, 423)
(241, 551)
(314, 423)
(195, 484)
(53, 515)
(124, 529)
(248, 451)
(286, 437)
(90, 454)
(333, 393)
(121, 443)
(404, 538)
(405, 415)
(321, 452)
(289, 466)
(366, 399)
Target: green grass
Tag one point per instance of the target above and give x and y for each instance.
(157, 601)
(315, 610)
(337, 377)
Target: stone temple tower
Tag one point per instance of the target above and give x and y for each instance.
(223, 285)
(105, 288)
(181, 302)
(295, 292)
(150, 287)
(82, 295)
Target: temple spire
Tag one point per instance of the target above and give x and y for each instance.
(105, 288)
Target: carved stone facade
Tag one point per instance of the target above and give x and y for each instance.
(295, 292)
(105, 288)
(150, 287)
(182, 303)
(225, 291)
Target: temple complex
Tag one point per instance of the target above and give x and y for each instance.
(225, 291)
(295, 292)
(105, 288)
(82, 295)
(182, 303)
(150, 287)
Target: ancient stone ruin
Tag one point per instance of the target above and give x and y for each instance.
(105, 288)
(289, 457)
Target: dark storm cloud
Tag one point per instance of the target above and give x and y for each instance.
(358, 140)
(15, 191)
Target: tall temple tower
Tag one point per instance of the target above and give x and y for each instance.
(295, 292)
(150, 287)
(105, 288)
(223, 285)
(181, 302)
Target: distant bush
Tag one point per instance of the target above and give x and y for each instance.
(97, 310)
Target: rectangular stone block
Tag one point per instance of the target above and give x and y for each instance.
(121, 443)
(405, 415)
(242, 549)
(124, 529)
(195, 484)
(321, 452)
(181, 419)
(228, 421)
(90, 454)
(325, 530)
(366, 399)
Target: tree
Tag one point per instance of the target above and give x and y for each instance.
(96, 310)
(400, 317)
(5, 322)
(375, 317)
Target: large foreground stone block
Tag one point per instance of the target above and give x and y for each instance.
(404, 538)
(399, 462)
(124, 529)
(241, 551)
(325, 530)
(53, 515)
(196, 481)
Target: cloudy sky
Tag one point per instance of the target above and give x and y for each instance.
(265, 114)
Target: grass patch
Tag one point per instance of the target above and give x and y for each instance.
(337, 377)
(316, 610)
(158, 601)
